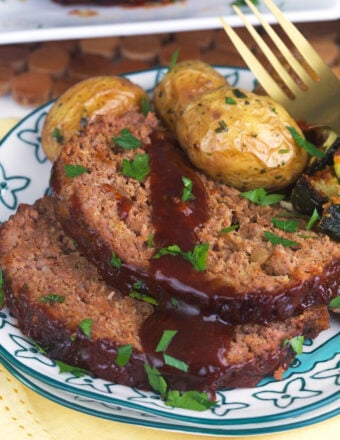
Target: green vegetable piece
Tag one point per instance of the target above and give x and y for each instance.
(123, 355)
(187, 190)
(86, 327)
(334, 303)
(175, 363)
(127, 140)
(115, 261)
(165, 340)
(74, 170)
(239, 94)
(156, 380)
(313, 218)
(173, 249)
(65, 368)
(230, 228)
(222, 126)
(193, 400)
(260, 197)
(296, 343)
(145, 106)
(286, 225)
(303, 143)
(275, 239)
(174, 59)
(150, 241)
(56, 135)
(143, 297)
(137, 168)
(197, 257)
(243, 3)
(52, 298)
(230, 101)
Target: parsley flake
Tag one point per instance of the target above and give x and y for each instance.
(156, 380)
(296, 343)
(230, 101)
(52, 298)
(173, 60)
(74, 170)
(259, 196)
(127, 140)
(143, 297)
(231, 228)
(193, 400)
(197, 257)
(334, 303)
(137, 168)
(222, 126)
(76, 371)
(145, 106)
(86, 327)
(124, 353)
(243, 3)
(165, 340)
(57, 136)
(239, 94)
(175, 363)
(286, 225)
(313, 218)
(187, 190)
(115, 261)
(303, 143)
(275, 239)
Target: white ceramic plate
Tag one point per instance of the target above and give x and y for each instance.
(38, 20)
(307, 394)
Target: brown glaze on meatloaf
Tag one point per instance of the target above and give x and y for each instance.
(247, 278)
(39, 260)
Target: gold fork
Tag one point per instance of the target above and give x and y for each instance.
(315, 97)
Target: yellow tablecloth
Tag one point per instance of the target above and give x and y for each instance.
(25, 414)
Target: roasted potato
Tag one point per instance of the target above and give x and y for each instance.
(82, 102)
(241, 139)
(181, 85)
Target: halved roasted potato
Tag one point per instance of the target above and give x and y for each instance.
(184, 82)
(80, 104)
(241, 139)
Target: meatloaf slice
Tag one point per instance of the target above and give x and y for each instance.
(247, 277)
(53, 290)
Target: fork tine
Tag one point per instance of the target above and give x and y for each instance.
(255, 66)
(295, 64)
(272, 58)
(295, 36)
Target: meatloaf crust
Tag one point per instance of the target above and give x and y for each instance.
(39, 261)
(247, 277)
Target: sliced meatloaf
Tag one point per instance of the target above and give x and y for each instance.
(161, 241)
(53, 290)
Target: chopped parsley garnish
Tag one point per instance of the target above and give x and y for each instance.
(74, 170)
(222, 126)
(193, 400)
(197, 257)
(174, 59)
(115, 261)
(303, 143)
(143, 297)
(275, 239)
(313, 218)
(52, 298)
(76, 371)
(86, 327)
(175, 363)
(259, 196)
(243, 3)
(239, 94)
(187, 190)
(334, 303)
(127, 140)
(138, 167)
(231, 228)
(57, 136)
(165, 340)
(2, 293)
(150, 242)
(230, 101)
(286, 225)
(145, 106)
(123, 355)
(296, 343)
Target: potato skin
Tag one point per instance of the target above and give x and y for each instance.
(241, 139)
(185, 81)
(82, 103)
